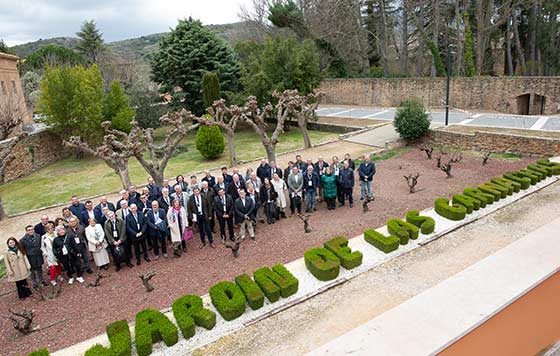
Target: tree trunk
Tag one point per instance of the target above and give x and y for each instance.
(460, 30)
(125, 178)
(231, 147)
(533, 38)
(420, 53)
(384, 38)
(404, 50)
(302, 123)
(509, 58)
(518, 48)
(2, 213)
(270, 151)
(435, 10)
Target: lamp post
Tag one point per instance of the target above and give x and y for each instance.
(448, 84)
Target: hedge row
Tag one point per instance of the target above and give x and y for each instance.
(403, 230)
(119, 338)
(322, 263)
(152, 326)
(188, 312)
(251, 290)
(453, 212)
(40, 352)
(382, 242)
(426, 224)
(348, 259)
(228, 299)
(276, 282)
(553, 166)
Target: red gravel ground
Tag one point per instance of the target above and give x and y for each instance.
(121, 295)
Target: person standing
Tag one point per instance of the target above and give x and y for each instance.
(154, 190)
(136, 230)
(47, 247)
(66, 215)
(223, 206)
(243, 212)
(157, 224)
(287, 171)
(31, 243)
(165, 200)
(319, 168)
(180, 195)
(209, 178)
(17, 267)
(280, 187)
(124, 210)
(177, 222)
(295, 186)
(329, 188)
(199, 213)
(208, 194)
(180, 181)
(310, 186)
(76, 207)
(351, 163)
(366, 171)
(97, 244)
(228, 178)
(268, 200)
(274, 169)
(234, 187)
(263, 171)
(253, 195)
(88, 213)
(115, 232)
(68, 257)
(40, 228)
(220, 184)
(103, 203)
(346, 180)
(73, 231)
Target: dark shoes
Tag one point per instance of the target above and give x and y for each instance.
(138, 263)
(129, 265)
(202, 245)
(118, 268)
(351, 205)
(89, 271)
(147, 260)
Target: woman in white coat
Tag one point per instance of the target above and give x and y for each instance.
(280, 187)
(55, 270)
(97, 244)
(177, 222)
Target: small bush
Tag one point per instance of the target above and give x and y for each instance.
(455, 212)
(490, 190)
(555, 167)
(426, 224)
(411, 120)
(547, 171)
(515, 186)
(483, 198)
(403, 230)
(276, 282)
(228, 300)
(322, 263)
(119, 338)
(339, 246)
(384, 243)
(524, 181)
(210, 141)
(151, 327)
(251, 290)
(40, 352)
(188, 311)
(469, 203)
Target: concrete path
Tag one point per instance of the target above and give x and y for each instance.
(378, 136)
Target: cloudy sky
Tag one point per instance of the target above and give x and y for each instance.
(29, 20)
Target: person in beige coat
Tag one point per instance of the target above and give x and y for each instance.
(97, 244)
(17, 267)
(177, 222)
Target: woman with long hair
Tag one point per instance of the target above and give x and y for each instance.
(17, 267)
(177, 222)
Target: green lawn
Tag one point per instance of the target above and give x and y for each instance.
(56, 182)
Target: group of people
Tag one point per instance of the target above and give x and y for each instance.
(162, 215)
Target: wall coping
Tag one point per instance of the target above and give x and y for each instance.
(444, 78)
(497, 134)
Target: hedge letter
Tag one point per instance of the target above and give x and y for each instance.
(276, 282)
(348, 259)
(151, 327)
(188, 311)
(322, 263)
(228, 300)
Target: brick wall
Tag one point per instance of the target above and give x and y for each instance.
(486, 93)
(498, 143)
(33, 152)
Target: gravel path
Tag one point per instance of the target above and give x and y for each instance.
(122, 294)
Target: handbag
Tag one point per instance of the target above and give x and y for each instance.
(187, 234)
(119, 253)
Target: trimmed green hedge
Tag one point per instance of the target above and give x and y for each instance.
(188, 312)
(515, 186)
(528, 174)
(382, 242)
(524, 181)
(555, 167)
(119, 338)
(455, 212)
(228, 299)
(483, 198)
(426, 224)
(251, 290)
(403, 230)
(322, 263)
(504, 191)
(485, 188)
(276, 282)
(40, 352)
(339, 246)
(547, 171)
(540, 176)
(152, 326)
(469, 203)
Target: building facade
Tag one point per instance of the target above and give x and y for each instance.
(11, 91)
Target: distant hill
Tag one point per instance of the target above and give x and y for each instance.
(24, 50)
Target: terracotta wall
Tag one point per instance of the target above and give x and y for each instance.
(523, 328)
(10, 84)
(480, 93)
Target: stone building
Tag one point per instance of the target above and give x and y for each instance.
(11, 92)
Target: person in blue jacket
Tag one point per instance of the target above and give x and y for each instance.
(366, 171)
(310, 186)
(346, 183)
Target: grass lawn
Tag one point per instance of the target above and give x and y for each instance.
(56, 182)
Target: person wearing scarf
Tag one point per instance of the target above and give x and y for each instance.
(17, 267)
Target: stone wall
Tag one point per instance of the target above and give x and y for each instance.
(495, 142)
(476, 93)
(33, 152)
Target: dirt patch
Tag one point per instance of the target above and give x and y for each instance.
(351, 122)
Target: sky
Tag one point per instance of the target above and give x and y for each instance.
(24, 21)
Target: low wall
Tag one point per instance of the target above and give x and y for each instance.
(486, 93)
(33, 152)
(496, 142)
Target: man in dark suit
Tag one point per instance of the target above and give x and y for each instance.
(223, 206)
(319, 168)
(31, 242)
(155, 191)
(76, 231)
(208, 194)
(209, 178)
(310, 186)
(288, 171)
(351, 163)
(346, 179)
(243, 212)
(76, 207)
(40, 227)
(227, 177)
(102, 204)
(235, 186)
(133, 195)
(220, 184)
(263, 170)
(89, 213)
(157, 224)
(254, 196)
(274, 169)
(165, 200)
(300, 164)
(115, 233)
(199, 213)
(136, 229)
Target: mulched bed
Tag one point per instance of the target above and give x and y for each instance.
(121, 295)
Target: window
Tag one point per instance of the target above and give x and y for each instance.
(3, 87)
(14, 88)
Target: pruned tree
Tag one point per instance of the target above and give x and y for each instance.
(365, 204)
(97, 283)
(412, 181)
(304, 111)
(438, 158)
(255, 117)
(456, 157)
(234, 246)
(146, 277)
(116, 149)
(227, 118)
(12, 113)
(50, 292)
(159, 154)
(447, 168)
(485, 158)
(305, 219)
(427, 149)
(21, 321)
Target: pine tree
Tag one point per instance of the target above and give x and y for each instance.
(470, 68)
(91, 41)
(210, 88)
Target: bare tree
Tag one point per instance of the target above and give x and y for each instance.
(305, 219)
(447, 169)
(23, 324)
(146, 280)
(226, 118)
(485, 158)
(427, 149)
(256, 118)
(160, 154)
(234, 246)
(116, 149)
(411, 181)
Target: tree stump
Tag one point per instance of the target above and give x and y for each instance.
(305, 219)
(234, 246)
(22, 321)
(146, 280)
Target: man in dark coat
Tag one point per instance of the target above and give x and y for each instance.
(209, 194)
(228, 179)
(102, 204)
(157, 225)
(89, 213)
(351, 163)
(319, 168)
(223, 207)
(115, 233)
(263, 170)
(165, 200)
(346, 179)
(31, 242)
(76, 207)
(310, 186)
(209, 178)
(220, 184)
(198, 211)
(73, 231)
(243, 212)
(234, 187)
(274, 169)
(136, 229)
(40, 227)
(366, 171)
(155, 191)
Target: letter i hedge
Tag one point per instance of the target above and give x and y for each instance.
(251, 290)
